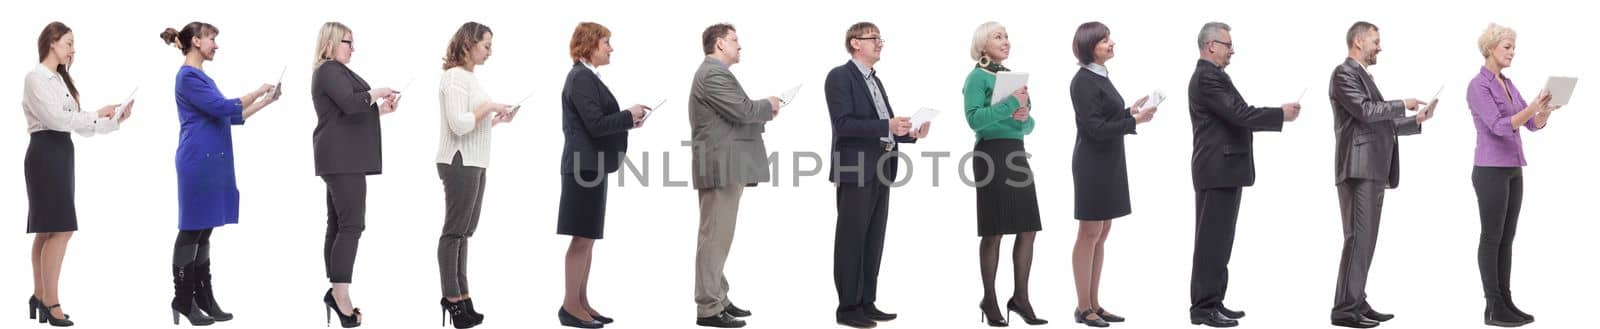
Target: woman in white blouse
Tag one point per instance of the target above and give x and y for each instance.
(51, 107)
(466, 116)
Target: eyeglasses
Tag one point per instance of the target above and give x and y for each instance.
(1229, 44)
(877, 39)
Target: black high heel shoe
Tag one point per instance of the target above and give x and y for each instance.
(993, 321)
(33, 308)
(46, 317)
(1028, 317)
(1083, 317)
(458, 314)
(567, 319)
(466, 304)
(348, 321)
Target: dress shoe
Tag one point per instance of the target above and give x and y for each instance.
(720, 320)
(1357, 322)
(855, 320)
(1027, 317)
(1374, 315)
(1108, 316)
(567, 319)
(1231, 314)
(1083, 317)
(1213, 319)
(873, 313)
(735, 311)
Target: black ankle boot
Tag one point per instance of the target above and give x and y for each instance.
(458, 314)
(204, 298)
(183, 288)
(1496, 313)
(466, 304)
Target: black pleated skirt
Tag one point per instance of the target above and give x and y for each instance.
(1007, 203)
(48, 168)
(583, 208)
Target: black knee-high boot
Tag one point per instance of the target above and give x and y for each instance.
(204, 298)
(184, 282)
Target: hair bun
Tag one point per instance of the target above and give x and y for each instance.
(170, 36)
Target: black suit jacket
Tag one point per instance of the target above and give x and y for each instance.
(1367, 128)
(596, 128)
(348, 138)
(1223, 124)
(857, 128)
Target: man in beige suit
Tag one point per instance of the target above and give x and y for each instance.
(726, 127)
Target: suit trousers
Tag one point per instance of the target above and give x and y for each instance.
(347, 218)
(719, 211)
(1360, 209)
(1216, 216)
(858, 243)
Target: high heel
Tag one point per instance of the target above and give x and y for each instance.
(204, 297)
(346, 321)
(457, 314)
(1028, 317)
(183, 287)
(1083, 317)
(466, 304)
(992, 320)
(567, 319)
(33, 308)
(45, 316)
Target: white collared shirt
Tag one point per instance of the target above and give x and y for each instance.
(49, 105)
(1098, 69)
(591, 68)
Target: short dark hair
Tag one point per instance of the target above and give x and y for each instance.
(1356, 30)
(856, 31)
(184, 39)
(708, 39)
(1089, 35)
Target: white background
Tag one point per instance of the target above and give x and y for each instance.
(269, 268)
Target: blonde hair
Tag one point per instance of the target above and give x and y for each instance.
(328, 40)
(1492, 36)
(980, 38)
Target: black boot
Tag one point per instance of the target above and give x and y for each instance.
(466, 304)
(1496, 313)
(183, 288)
(204, 298)
(458, 314)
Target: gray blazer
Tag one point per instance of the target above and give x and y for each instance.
(725, 128)
(1367, 128)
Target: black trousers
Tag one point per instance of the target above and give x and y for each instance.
(858, 243)
(347, 218)
(1360, 212)
(1216, 215)
(1499, 202)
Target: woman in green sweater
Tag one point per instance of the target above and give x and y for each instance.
(1006, 200)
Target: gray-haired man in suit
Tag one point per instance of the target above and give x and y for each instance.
(726, 127)
(1366, 162)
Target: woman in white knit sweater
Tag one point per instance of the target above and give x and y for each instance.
(466, 117)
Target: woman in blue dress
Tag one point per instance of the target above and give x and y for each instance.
(208, 195)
